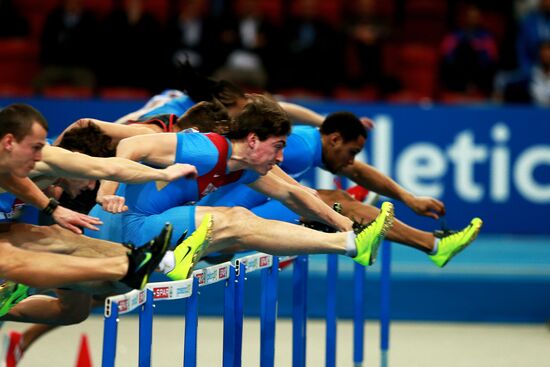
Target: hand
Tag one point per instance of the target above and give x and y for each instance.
(112, 203)
(367, 123)
(427, 206)
(180, 170)
(71, 220)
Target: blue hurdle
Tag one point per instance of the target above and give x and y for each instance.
(234, 277)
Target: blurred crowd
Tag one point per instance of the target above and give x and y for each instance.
(384, 50)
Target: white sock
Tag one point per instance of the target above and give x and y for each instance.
(351, 248)
(436, 246)
(168, 262)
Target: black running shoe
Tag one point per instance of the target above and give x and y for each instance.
(162, 241)
(142, 261)
(322, 227)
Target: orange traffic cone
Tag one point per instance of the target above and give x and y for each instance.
(84, 357)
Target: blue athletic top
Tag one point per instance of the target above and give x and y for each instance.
(192, 148)
(177, 106)
(303, 151)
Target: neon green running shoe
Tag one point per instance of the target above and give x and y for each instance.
(11, 294)
(189, 252)
(369, 239)
(452, 243)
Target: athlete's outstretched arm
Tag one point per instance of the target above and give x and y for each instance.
(132, 116)
(116, 132)
(278, 171)
(63, 163)
(157, 149)
(371, 178)
(302, 114)
(300, 200)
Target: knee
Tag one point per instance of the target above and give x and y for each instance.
(75, 312)
(75, 316)
(231, 215)
(237, 213)
(230, 220)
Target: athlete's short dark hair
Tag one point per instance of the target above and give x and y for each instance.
(261, 115)
(346, 123)
(88, 139)
(206, 117)
(18, 118)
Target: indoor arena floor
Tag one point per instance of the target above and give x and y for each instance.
(412, 344)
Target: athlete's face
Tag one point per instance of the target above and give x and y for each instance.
(74, 186)
(338, 153)
(266, 154)
(24, 154)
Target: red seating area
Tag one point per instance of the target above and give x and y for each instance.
(411, 56)
(18, 63)
(416, 66)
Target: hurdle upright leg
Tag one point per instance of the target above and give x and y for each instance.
(268, 313)
(385, 303)
(358, 314)
(229, 320)
(299, 311)
(110, 331)
(332, 277)
(191, 326)
(146, 331)
(239, 313)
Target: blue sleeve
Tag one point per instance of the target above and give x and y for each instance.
(177, 106)
(298, 155)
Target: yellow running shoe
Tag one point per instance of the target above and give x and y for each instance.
(11, 293)
(190, 251)
(370, 238)
(452, 243)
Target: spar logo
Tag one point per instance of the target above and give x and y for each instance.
(123, 305)
(222, 273)
(264, 261)
(161, 292)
